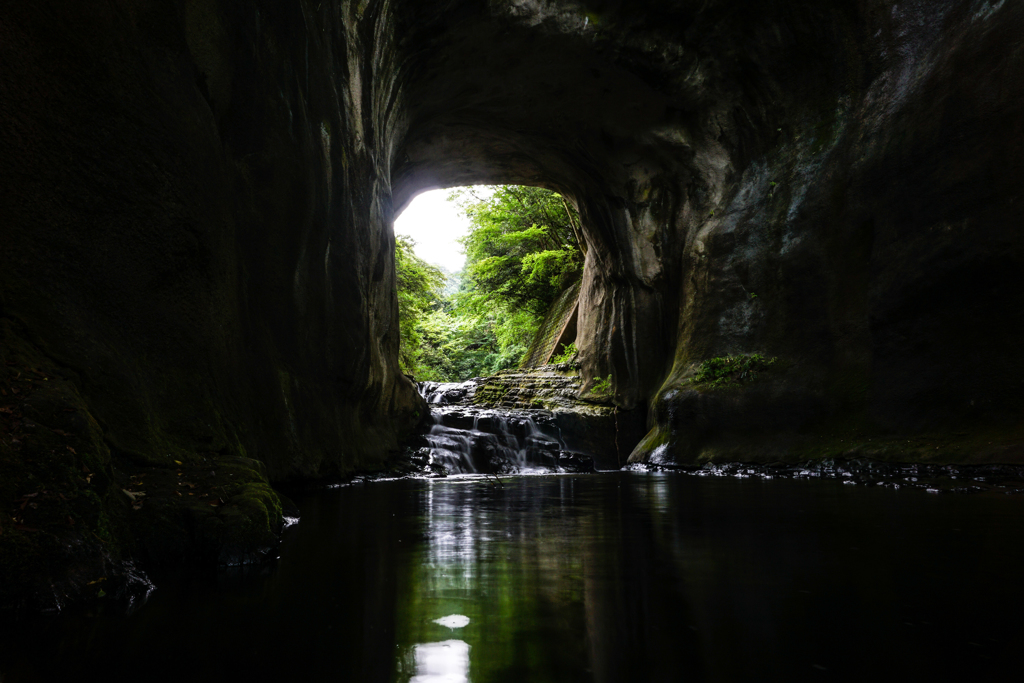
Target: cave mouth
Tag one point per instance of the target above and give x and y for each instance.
(488, 279)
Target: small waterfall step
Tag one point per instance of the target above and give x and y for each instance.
(468, 439)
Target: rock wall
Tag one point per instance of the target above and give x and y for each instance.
(196, 245)
(871, 243)
(197, 222)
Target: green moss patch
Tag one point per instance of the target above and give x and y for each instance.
(731, 370)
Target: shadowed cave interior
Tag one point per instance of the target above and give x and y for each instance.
(197, 272)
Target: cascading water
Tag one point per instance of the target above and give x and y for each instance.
(451, 448)
(466, 439)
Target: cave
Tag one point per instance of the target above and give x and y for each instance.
(197, 254)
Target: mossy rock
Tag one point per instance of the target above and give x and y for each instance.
(252, 525)
(74, 515)
(63, 522)
(222, 512)
(726, 371)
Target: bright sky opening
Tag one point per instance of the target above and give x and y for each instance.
(435, 224)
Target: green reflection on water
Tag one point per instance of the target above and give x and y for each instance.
(519, 578)
(614, 577)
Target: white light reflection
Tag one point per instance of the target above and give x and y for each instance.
(453, 538)
(453, 621)
(444, 662)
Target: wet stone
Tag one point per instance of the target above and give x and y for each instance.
(575, 462)
(470, 438)
(1008, 479)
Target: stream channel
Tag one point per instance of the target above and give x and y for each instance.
(566, 576)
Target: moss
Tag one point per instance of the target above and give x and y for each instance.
(221, 511)
(725, 371)
(862, 442)
(251, 525)
(653, 440)
(260, 499)
(491, 393)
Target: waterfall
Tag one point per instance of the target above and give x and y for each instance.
(450, 447)
(467, 439)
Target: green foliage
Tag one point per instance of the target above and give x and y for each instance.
(729, 370)
(602, 385)
(419, 292)
(569, 352)
(456, 346)
(521, 251)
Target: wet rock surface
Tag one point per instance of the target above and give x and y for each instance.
(1007, 479)
(472, 440)
(536, 412)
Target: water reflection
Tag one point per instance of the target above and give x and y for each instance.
(445, 662)
(618, 577)
(453, 621)
(656, 578)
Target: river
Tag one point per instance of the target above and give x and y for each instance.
(621, 576)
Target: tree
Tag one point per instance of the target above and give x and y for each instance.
(522, 249)
(420, 285)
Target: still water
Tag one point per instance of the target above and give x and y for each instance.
(611, 577)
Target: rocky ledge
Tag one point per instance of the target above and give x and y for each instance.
(542, 406)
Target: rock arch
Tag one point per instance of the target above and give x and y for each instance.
(199, 199)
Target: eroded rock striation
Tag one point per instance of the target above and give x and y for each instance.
(198, 196)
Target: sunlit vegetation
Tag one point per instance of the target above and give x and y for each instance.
(523, 248)
(568, 354)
